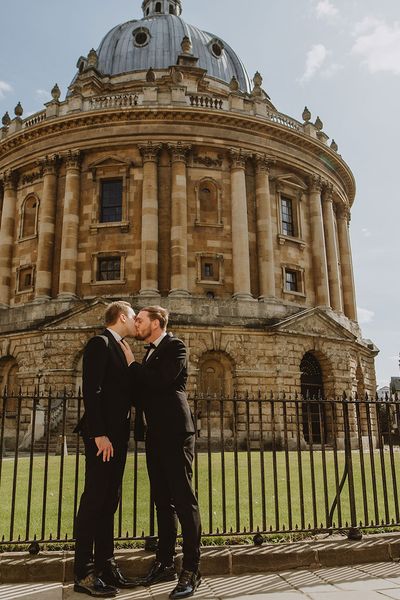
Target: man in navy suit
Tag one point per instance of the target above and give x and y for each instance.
(159, 383)
(105, 427)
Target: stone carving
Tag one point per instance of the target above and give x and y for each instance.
(73, 159)
(234, 84)
(150, 76)
(207, 161)
(6, 120)
(306, 115)
(56, 93)
(238, 158)
(29, 178)
(186, 45)
(319, 124)
(150, 151)
(49, 164)
(179, 151)
(18, 110)
(263, 163)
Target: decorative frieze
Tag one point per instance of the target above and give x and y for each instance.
(207, 161)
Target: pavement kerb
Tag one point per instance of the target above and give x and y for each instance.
(21, 567)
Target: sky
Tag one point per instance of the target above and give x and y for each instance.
(341, 58)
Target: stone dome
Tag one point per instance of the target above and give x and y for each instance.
(155, 42)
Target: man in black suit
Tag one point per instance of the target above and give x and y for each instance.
(105, 426)
(160, 388)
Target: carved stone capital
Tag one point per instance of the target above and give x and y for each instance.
(315, 183)
(327, 192)
(263, 163)
(9, 179)
(150, 151)
(238, 158)
(343, 213)
(49, 164)
(73, 159)
(179, 151)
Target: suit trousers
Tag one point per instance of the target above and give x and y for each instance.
(169, 464)
(94, 526)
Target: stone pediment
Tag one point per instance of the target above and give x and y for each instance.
(83, 317)
(314, 322)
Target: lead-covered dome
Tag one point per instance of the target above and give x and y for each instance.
(155, 42)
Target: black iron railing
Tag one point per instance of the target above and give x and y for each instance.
(275, 464)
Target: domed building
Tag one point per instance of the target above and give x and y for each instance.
(167, 176)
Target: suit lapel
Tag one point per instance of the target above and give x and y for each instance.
(116, 346)
(159, 348)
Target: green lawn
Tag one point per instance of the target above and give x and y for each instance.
(237, 514)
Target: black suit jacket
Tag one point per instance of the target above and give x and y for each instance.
(107, 395)
(160, 390)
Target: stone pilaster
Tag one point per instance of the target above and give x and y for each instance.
(320, 267)
(47, 215)
(149, 250)
(265, 247)
(70, 228)
(7, 228)
(240, 229)
(179, 251)
(349, 296)
(332, 254)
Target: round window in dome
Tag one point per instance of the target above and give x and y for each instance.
(217, 48)
(141, 37)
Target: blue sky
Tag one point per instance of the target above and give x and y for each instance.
(341, 58)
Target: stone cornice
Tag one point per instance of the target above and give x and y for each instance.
(241, 123)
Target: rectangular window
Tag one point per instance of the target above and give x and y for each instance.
(291, 281)
(209, 269)
(287, 217)
(111, 201)
(25, 279)
(109, 268)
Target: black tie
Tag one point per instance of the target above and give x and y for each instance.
(148, 348)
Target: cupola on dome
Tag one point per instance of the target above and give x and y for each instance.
(155, 42)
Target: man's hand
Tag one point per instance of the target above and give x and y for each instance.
(130, 358)
(105, 448)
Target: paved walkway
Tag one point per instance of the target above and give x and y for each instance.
(377, 581)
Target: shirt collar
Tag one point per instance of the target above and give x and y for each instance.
(116, 335)
(159, 340)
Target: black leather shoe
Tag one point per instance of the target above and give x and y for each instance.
(94, 586)
(158, 573)
(111, 575)
(188, 583)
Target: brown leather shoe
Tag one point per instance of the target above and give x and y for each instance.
(188, 583)
(94, 586)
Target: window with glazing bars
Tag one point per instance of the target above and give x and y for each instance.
(109, 268)
(291, 281)
(287, 217)
(111, 201)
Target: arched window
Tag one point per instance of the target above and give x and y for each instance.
(312, 389)
(29, 217)
(158, 7)
(9, 379)
(215, 381)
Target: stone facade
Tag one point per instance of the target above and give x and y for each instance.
(232, 215)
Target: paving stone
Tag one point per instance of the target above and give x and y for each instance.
(236, 587)
(342, 595)
(30, 591)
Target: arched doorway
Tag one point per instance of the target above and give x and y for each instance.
(312, 389)
(215, 382)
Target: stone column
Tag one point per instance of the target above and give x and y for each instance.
(320, 268)
(332, 254)
(7, 228)
(149, 250)
(265, 246)
(70, 228)
(240, 229)
(349, 297)
(179, 251)
(47, 216)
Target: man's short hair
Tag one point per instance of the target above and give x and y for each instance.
(158, 313)
(114, 310)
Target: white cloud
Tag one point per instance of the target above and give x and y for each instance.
(43, 93)
(325, 9)
(4, 88)
(378, 44)
(316, 57)
(365, 315)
